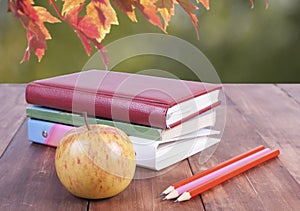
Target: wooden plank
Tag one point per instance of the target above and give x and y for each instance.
(257, 188)
(12, 112)
(143, 193)
(260, 114)
(276, 117)
(28, 178)
(292, 90)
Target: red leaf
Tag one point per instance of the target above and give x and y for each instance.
(72, 15)
(189, 8)
(24, 8)
(86, 42)
(39, 52)
(27, 51)
(33, 18)
(126, 7)
(149, 11)
(94, 25)
(87, 26)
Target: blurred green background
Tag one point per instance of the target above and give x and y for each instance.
(245, 45)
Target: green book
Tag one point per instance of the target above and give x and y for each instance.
(74, 119)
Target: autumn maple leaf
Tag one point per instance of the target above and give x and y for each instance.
(205, 3)
(150, 11)
(189, 8)
(33, 19)
(126, 7)
(166, 9)
(92, 19)
(93, 26)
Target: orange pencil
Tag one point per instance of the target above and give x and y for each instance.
(208, 171)
(214, 182)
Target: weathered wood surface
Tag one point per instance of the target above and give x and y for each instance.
(12, 112)
(275, 116)
(143, 194)
(28, 179)
(270, 186)
(256, 114)
(292, 90)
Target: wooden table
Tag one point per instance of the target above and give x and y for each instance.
(256, 115)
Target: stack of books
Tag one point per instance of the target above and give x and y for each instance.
(167, 120)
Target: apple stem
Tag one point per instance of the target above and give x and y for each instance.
(86, 120)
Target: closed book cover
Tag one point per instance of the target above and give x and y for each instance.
(195, 125)
(149, 153)
(139, 99)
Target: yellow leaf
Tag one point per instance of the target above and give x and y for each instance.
(101, 14)
(205, 3)
(71, 4)
(166, 9)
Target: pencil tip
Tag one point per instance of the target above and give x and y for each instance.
(174, 194)
(162, 194)
(167, 191)
(176, 200)
(165, 198)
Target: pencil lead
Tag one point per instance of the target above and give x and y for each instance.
(176, 200)
(165, 198)
(162, 194)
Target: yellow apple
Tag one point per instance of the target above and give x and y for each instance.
(95, 161)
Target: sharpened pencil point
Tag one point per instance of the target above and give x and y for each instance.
(183, 197)
(162, 194)
(174, 194)
(164, 199)
(176, 200)
(167, 191)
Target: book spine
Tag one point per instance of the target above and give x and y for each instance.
(104, 106)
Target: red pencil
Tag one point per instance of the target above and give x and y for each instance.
(210, 184)
(208, 171)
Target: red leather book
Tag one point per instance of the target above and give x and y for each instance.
(140, 99)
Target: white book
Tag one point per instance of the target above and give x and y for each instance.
(151, 154)
(158, 155)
